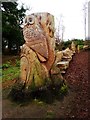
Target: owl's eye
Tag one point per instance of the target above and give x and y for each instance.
(31, 20)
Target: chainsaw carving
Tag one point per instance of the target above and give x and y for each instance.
(37, 54)
(73, 47)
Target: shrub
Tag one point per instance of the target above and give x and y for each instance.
(80, 47)
(64, 89)
(6, 65)
(63, 45)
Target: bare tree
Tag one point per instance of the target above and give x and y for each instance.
(63, 29)
(60, 29)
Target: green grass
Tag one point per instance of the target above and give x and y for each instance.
(10, 72)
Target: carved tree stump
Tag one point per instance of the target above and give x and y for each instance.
(38, 52)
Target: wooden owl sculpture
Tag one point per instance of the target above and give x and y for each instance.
(37, 54)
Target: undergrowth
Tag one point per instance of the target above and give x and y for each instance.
(45, 95)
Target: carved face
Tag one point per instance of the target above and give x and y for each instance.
(40, 21)
(29, 28)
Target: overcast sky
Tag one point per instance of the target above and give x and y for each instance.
(70, 10)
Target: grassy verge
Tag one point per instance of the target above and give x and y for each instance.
(9, 71)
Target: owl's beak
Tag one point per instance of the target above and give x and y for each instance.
(28, 23)
(25, 24)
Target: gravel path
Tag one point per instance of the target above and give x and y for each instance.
(77, 77)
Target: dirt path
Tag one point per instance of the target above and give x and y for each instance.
(73, 105)
(77, 77)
